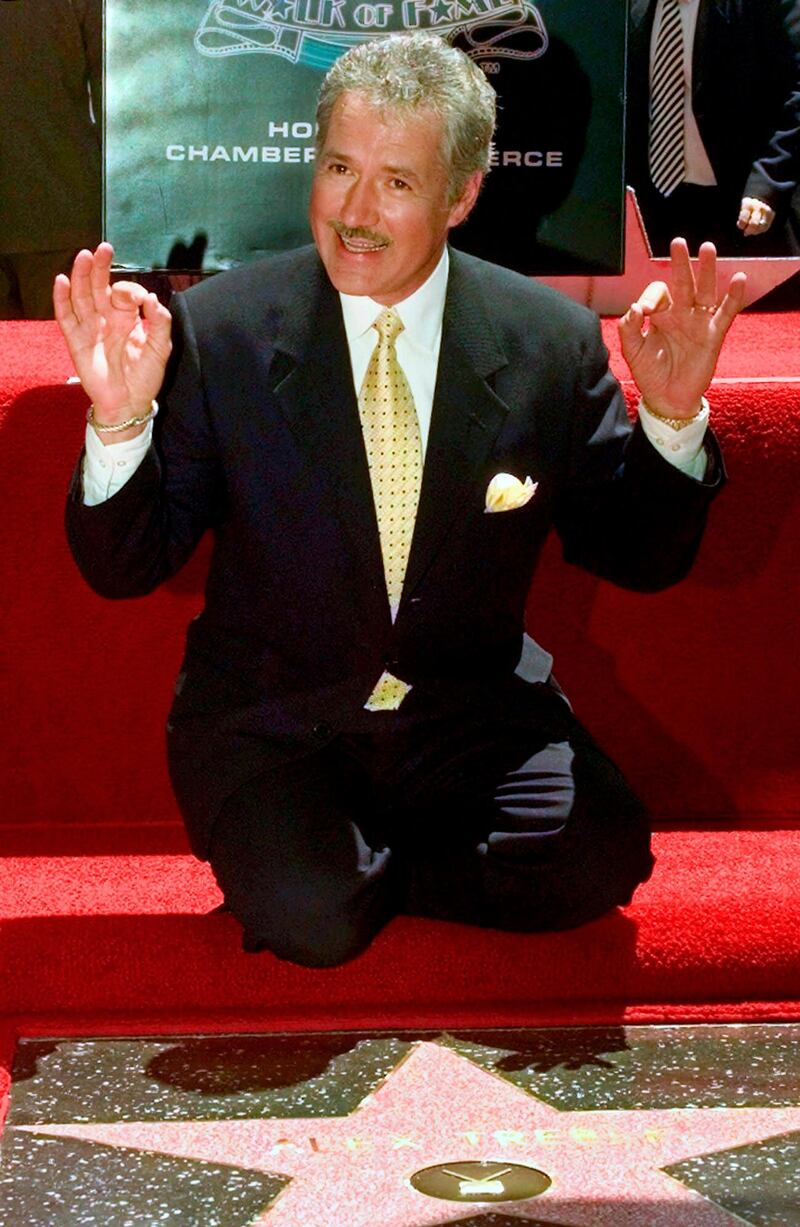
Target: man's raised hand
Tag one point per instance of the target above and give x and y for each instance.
(118, 336)
(671, 338)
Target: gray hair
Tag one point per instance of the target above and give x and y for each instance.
(405, 73)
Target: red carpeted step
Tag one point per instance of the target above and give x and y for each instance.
(716, 926)
(98, 942)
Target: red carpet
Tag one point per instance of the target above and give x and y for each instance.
(129, 936)
(102, 917)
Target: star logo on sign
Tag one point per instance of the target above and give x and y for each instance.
(281, 10)
(437, 1107)
(441, 11)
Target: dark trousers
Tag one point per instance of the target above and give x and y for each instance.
(705, 214)
(504, 814)
(697, 214)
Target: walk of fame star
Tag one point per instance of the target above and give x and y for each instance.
(606, 1167)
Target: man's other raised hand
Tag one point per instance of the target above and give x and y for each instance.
(671, 336)
(118, 336)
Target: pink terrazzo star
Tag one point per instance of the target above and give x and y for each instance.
(439, 1107)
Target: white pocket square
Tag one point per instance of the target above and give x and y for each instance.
(506, 492)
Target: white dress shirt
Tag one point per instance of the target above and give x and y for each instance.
(417, 345)
(698, 168)
(107, 467)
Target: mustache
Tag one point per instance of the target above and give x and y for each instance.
(359, 232)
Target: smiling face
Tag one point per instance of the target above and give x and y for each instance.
(380, 212)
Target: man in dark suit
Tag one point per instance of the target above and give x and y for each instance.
(740, 92)
(354, 735)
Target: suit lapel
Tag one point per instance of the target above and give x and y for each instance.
(312, 380)
(467, 417)
(641, 12)
(712, 18)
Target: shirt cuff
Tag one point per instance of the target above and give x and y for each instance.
(681, 448)
(106, 468)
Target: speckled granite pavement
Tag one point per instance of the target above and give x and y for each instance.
(578, 1127)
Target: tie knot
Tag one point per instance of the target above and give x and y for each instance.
(388, 325)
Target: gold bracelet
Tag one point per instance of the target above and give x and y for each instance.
(676, 423)
(112, 428)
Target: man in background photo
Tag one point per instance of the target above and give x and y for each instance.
(713, 121)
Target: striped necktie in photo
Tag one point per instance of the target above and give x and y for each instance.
(667, 88)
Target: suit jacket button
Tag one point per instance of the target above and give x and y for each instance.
(322, 730)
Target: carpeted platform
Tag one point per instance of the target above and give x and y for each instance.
(127, 936)
(104, 919)
(612, 1127)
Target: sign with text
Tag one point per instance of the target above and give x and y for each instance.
(210, 124)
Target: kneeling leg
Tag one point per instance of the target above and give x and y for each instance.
(561, 841)
(295, 867)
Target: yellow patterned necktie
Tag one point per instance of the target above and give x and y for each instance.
(394, 453)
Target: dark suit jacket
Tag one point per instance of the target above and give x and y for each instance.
(745, 94)
(259, 439)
